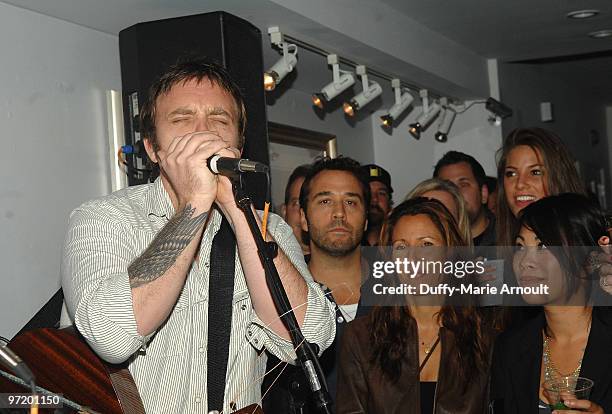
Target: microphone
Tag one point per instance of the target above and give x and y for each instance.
(233, 166)
(10, 359)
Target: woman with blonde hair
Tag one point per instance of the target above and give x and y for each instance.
(448, 194)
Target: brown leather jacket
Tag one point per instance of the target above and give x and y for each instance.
(362, 387)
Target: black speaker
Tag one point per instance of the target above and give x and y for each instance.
(148, 49)
(48, 316)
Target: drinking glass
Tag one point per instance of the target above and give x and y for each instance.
(559, 389)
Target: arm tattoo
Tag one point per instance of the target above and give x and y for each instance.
(166, 247)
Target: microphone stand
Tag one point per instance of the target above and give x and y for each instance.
(304, 350)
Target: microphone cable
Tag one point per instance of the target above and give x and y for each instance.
(130, 169)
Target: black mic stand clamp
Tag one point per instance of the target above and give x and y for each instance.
(305, 351)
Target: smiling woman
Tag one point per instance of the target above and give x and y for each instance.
(533, 163)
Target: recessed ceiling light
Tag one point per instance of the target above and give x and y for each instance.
(601, 34)
(582, 14)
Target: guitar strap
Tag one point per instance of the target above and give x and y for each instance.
(220, 294)
(126, 390)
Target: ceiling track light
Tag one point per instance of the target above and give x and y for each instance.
(601, 34)
(342, 80)
(495, 120)
(284, 65)
(497, 108)
(446, 121)
(402, 101)
(370, 91)
(582, 14)
(428, 115)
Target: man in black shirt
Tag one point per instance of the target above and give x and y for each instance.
(467, 174)
(334, 200)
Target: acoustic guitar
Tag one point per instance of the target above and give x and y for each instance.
(63, 363)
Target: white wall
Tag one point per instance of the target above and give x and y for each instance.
(410, 161)
(473, 134)
(578, 108)
(283, 160)
(354, 139)
(53, 79)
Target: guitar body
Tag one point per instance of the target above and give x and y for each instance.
(63, 363)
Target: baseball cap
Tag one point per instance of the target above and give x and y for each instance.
(377, 173)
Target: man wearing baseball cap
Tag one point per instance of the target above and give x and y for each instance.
(380, 202)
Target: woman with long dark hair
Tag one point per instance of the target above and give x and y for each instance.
(570, 337)
(416, 357)
(533, 163)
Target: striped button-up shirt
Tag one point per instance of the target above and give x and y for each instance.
(169, 366)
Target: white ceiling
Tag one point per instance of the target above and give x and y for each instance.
(508, 30)
(111, 16)
(502, 29)
(513, 29)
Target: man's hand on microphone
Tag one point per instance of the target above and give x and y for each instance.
(184, 164)
(225, 193)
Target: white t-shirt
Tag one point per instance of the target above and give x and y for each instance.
(348, 311)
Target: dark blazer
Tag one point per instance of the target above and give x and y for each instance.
(362, 387)
(517, 362)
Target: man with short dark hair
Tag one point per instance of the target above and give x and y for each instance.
(334, 199)
(381, 202)
(467, 173)
(166, 275)
(291, 207)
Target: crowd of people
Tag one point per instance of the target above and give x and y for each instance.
(166, 276)
(425, 358)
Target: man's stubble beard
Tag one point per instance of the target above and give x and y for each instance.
(338, 248)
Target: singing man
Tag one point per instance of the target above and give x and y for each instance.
(166, 275)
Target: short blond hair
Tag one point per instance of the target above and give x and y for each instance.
(436, 184)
